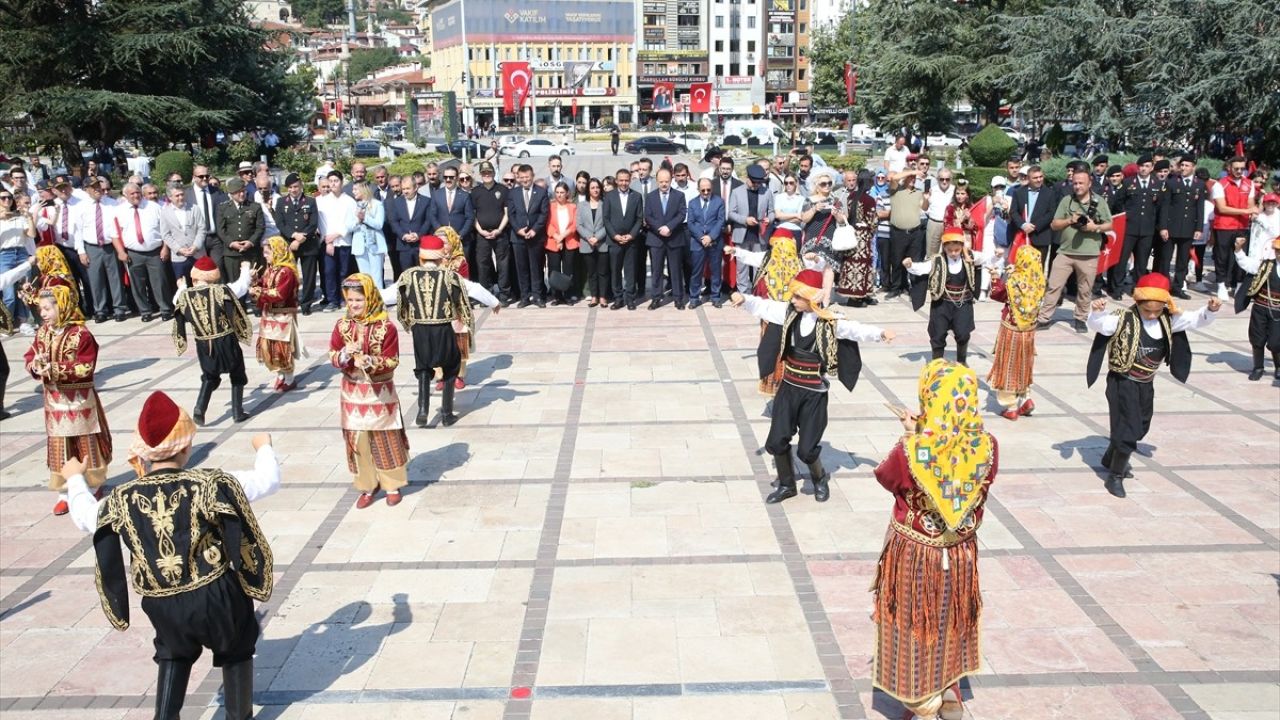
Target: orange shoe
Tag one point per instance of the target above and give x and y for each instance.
(364, 501)
(459, 383)
(61, 508)
(1009, 414)
(1027, 408)
(393, 498)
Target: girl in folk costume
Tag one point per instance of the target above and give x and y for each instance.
(53, 268)
(1015, 352)
(366, 348)
(63, 358)
(778, 266)
(465, 330)
(855, 276)
(953, 285)
(276, 292)
(1135, 342)
(1262, 286)
(7, 280)
(927, 599)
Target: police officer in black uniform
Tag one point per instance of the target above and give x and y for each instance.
(1180, 219)
(1141, 197)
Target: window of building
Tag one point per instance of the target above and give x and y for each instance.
(751, 46)
(719, 46)
(751, 70)
(655, 20)
(719, 71)
(751, 22)
(687, 21)
(733, 68)
(720, 21)
(803, 28)
(800, 74)
(733, 46)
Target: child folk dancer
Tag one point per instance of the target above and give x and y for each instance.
(219, 324)
(1262, 287)
(455, 260)
(197, 556)
(927, 600)
(777, 267)
(366, 348)
(815, 342)
(8, 279)
(53, 269)
(954, 281)
(276, 292)
(433, 305)
(1015, 351)
(1136, 341)
(63, 357)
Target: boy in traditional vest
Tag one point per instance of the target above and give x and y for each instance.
(1262, 286)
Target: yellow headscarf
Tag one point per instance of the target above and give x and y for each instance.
(1025, 286)
(68, 305)
(51, 261)
(782, 265)
(453, 255)
(374, 310)
(951, 454)
(281, 255)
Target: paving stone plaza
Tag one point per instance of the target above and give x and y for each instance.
(590, 540)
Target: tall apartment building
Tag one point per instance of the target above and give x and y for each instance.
(758, 55)
(581, 50)
(787, 78)
(672, 47)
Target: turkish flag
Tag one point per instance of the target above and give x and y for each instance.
(778, 104)
(517, 78)
(850, 82)
(1110, 254)
(1019, 240)
(700, 97)
(978, 214)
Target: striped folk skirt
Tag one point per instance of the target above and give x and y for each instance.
(1014, 361)
(927, 617)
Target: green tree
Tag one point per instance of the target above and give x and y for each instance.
(367, 61)
(318, 13)
(155, 70)
(831, 46)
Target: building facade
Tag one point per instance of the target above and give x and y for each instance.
(787, 77)
(671, 49)
(736, 44)
(581, 52)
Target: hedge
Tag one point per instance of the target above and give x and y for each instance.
(410, 163)
(980, 179)
(172, 161)
(991, 146)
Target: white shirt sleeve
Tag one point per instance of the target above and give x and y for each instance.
(773, 311)
(84, 507)
(390, 295)
(241, 285)
(857, 332)
(477, 292)
(1218, 193)
(921, 268)
(11, 277)
(1104, 322)
(1249, 263)
(1190, 321)
(748, 257)
(264, 479)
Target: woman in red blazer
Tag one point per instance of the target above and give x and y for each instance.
(562, 243)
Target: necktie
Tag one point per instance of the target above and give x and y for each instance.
(528, 198)
(137, 225)
(664, 203)
(724, 191)
(449, 200)
(1186, 182)
(97, 222)
(208, 208)
(66, 211)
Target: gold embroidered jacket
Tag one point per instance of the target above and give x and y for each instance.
(432, 296)
(184, 529)
(212, 311)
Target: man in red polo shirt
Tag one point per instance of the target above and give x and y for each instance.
(1234, 209)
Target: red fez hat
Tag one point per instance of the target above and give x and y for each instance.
(1154, 286)
(812, 278)
(430, 242)
(159, 416)
(206, 264)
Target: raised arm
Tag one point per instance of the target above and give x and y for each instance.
(861, 332)
(772, 311)
(1184, 321)
(477, 292)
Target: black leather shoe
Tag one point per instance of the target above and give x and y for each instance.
(541, 303)
(447, 418)
(631, 306)
(238, 415)
(1182, 294)
(148, 317)
(523, 304)
(166, 316)
(1256, 374)
(717, 304)
(617, 305)
(679, 306)
(1079, 326)
(693, 304)
(121, 318)
(306, 309)
(1115, 294)
(783, 493)
(653, 305)
(892, 295)
(99, 318)
(1115, 485)
(424, 402)
(821, 481)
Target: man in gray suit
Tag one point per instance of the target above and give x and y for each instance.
(750, 212)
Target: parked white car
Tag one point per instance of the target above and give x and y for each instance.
(508, 140)
(696, 143)
(536, 147)
(951, 140)
(1018, 137)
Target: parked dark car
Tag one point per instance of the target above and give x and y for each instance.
(367, 149)
(652, 144)
(474, 149)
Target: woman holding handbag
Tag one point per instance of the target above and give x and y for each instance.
(855, 278)
(823, 213)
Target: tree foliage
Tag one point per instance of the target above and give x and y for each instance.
(154, 70)
(991, 146)
(365, 62)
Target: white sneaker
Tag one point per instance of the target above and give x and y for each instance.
(1222, 291)
(27, 329)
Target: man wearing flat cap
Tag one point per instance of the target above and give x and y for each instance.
(750, 210)
(240, 228)
(1180, 222)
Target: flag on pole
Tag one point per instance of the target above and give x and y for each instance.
(850, 82)
(978, 216)
(517, 79)
(1110, 254)
(700, 97)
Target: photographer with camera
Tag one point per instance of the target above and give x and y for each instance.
(1082, 219)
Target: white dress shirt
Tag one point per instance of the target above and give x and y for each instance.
(954, 265)
(132, 222)
(338, 217)
(1106, 322)
(62, 234)
(84, 223)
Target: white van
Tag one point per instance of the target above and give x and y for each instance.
(752, 132)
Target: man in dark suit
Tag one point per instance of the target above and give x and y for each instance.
(207, 199)
(383, 191)
(1141, 199)
(725, 182)
(1180, 219)
(527, 208)
(706, 242)
(299, 223)
(1031, 211)
(453, 208)
(623, 212)
(411, 217)
(665, 213)
(240, 228)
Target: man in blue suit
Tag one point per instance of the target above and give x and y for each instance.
(665, 214)
(453, 208)
(706, 242)
(527, 208)
(411, 217)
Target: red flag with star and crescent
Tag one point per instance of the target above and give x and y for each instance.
(1110, 254)
(850, 82)
(516, 80)
(700, 97)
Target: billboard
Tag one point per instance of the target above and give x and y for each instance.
(510, 21)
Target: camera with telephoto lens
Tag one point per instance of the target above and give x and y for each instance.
(1089, 215)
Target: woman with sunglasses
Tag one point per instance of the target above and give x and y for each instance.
(592, 245)
(823, 213)
(17, 245)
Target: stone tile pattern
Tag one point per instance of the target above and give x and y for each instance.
(593, 531)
